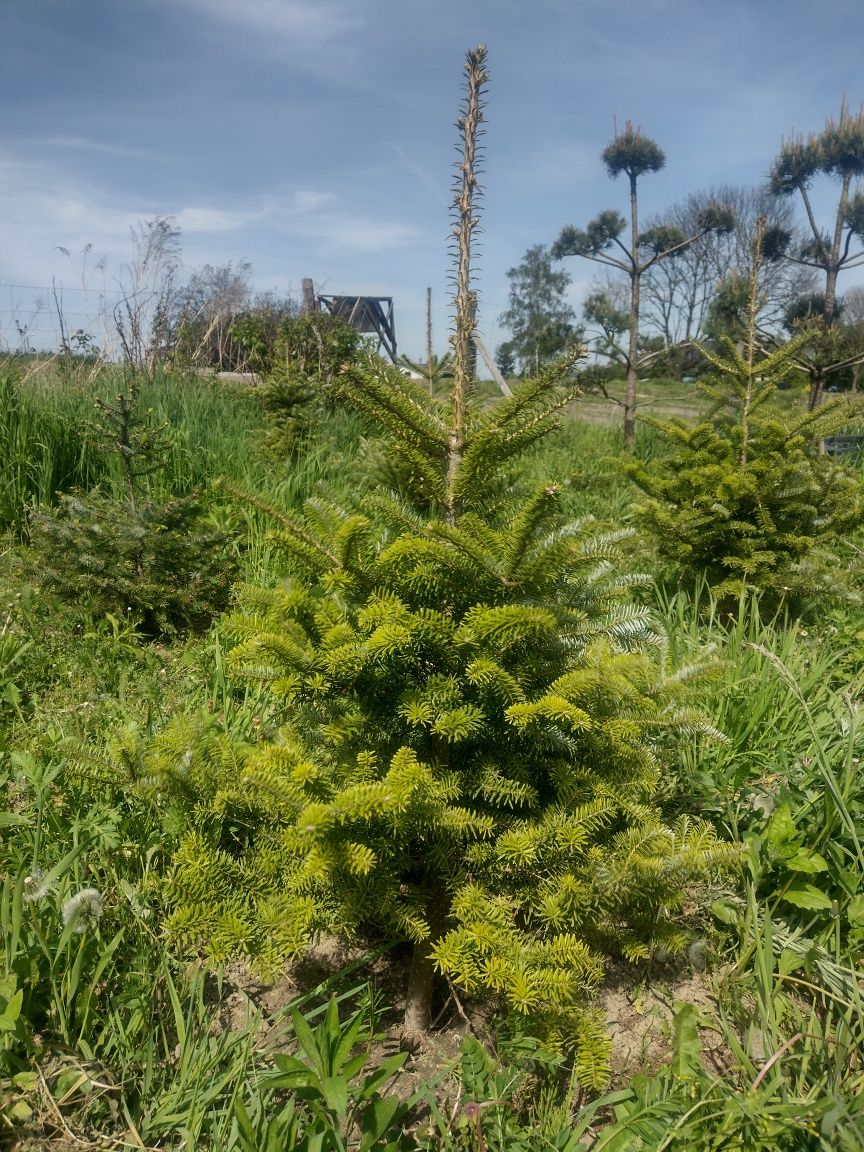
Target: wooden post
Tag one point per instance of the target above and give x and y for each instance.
(429, 369)
(491, 365)
(310, 304)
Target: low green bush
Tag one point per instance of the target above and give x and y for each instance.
(310, 351)
(745, 497)
(161, 564)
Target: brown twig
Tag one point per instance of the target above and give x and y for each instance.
(70, 1135)
(781, 1051)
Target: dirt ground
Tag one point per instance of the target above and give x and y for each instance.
(638, 1002)
(639, 1007)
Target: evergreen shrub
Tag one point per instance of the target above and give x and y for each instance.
(159, 563)
(476, 721)
(746, 496)
(309, 352)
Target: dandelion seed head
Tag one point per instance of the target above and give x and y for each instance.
(698, 955)
(36, 887)
(82, 911)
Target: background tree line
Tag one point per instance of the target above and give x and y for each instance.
(683, 278)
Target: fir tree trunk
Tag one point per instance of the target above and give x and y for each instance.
(421, 988)
(752, 313)
(819, 373)
(819, 377)
(633, 351)
(630, 407)
(430, 368)
(829, 307)
(422, 977)
(817, 387)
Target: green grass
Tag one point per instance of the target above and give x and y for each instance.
(114, 1034)
(49, 443)
(42, 448)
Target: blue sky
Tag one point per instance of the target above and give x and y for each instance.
(315, 137)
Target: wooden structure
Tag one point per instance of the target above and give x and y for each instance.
(372, 314)
(850, 447)
(310, 303)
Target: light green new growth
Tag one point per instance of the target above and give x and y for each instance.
(476, 719)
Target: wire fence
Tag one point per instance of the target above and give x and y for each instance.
(39, 317)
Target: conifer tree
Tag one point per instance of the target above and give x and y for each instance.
(436, 368)
(155, 562)
(476, 717)
(634, 154)
(746, 494)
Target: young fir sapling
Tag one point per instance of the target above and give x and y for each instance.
(155, 561)
(476, 719)
(747, 495)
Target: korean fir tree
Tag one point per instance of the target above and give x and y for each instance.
(746, 494)
(475, 718)
(436, 368)
(133, 554)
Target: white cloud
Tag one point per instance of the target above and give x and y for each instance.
(308, 200)
(83, 144)
(43, 209)
(204, 219)
(343, 232)
(303, 22)
(305, 214)
(40, 213)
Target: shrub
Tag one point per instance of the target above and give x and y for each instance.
(159, 563)
(476, 720)
(745, 496)
(309, 353)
